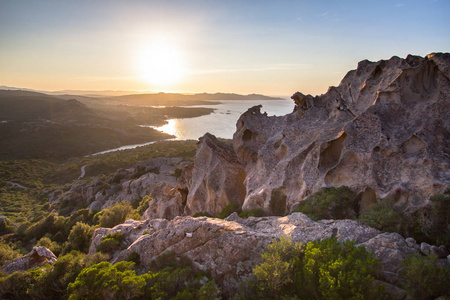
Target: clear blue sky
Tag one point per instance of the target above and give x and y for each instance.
(270, 47)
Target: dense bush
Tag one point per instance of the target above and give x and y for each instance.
(106, 281)
(7, 252)
(6, 226)
(334, 270)
(282, 264)
(52, 246)
(80, 237)
(115, 215)
(53, 282)
(111, 242)
(322, 270)
(383, 216)
(330, 203)
(424, 278)
(120, 281)
(429, 224)
(228, 210)
(17, 285)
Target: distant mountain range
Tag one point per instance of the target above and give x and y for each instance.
(145, 96)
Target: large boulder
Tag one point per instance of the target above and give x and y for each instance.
(384, 132)
(217, 178)
(230, 248)
(38, 257)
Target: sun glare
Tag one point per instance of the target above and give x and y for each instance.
(160, 64)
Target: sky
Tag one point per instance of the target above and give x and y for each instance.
(255, 46)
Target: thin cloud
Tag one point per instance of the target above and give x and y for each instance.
(273, 67)
(399, 4)
(323, 14)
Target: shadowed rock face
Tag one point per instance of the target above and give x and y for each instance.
(215, 178)
(384, 132)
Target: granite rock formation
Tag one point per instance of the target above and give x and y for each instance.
(214, 180)
(154, 177)
(384, 132)
(38, 257)
(230, 248)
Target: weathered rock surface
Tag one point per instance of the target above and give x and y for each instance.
(215, 178)
(154, 177)
(384, 132)
(38, 257)
(231, 248)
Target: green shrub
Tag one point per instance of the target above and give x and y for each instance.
(80, 237)
(322, 270)
(53, 282)
(229, 209)
(7, 252)
(282, 263)
(16, 285)
(424, 278)
(111, 242)
(106, 281)
(134, 257)
(251, 213)
(115, 215)
(383, 216)
(339, 271)
(6, 226)
(49, 244)
(143, 205)
(329, 203)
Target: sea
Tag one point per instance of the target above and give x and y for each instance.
(221, 123)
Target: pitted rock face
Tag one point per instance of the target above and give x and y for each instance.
(384, 132)
(214, 180)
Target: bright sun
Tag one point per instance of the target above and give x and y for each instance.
(160, 64)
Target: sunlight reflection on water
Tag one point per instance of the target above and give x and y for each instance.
(222, 122)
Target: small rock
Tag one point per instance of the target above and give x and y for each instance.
(294, 207)
(425, 248)
(234, 217)
(440, 252)
(410, 242)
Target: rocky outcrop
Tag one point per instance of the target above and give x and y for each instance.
(155, 177)
(214, 180)
(38, 257)
(384, 132)
(230, 248)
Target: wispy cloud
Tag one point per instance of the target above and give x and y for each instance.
(399, 4)
(323, 14)
(259, 68)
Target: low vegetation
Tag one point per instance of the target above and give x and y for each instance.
(429, 224)
(330, 203)
(318, 270)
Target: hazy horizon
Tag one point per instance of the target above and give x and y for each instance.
(270, 48)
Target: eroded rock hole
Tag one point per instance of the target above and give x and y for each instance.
(330, 152)
(247, 135)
